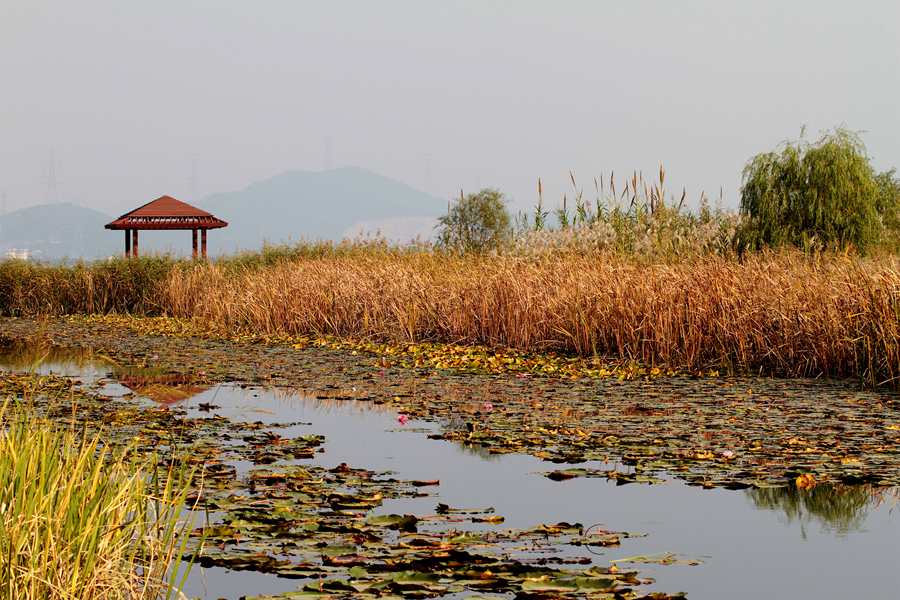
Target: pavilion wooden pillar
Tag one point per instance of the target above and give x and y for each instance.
(194, 232)
(127, 242)
(135, 244)
(203, 241)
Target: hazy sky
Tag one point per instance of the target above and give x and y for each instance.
(439, 95)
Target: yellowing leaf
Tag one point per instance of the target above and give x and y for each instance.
(806, 482)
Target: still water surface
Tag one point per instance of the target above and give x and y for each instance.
(777, 543)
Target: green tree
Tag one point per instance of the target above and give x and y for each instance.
(888, 207)
(476, 223)
(811, 194)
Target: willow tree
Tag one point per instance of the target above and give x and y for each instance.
(476, 223)
(812, 195)
(889, 207)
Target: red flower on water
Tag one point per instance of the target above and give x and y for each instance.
(402, 419)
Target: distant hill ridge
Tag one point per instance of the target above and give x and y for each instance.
(315, 204)
(296, 204)
(53, 231)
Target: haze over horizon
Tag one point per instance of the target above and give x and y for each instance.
(142, 99)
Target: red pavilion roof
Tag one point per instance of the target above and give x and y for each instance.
(167, 213)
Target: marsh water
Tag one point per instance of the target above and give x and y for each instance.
(755, 543)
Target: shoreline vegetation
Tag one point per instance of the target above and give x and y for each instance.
(630, 279)
(783, 313)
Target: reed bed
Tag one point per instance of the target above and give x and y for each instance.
(783, 313)
(78, 523)
(776, 313)
(121, 285)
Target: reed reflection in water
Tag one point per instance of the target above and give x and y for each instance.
(27, 357)
(838, 508)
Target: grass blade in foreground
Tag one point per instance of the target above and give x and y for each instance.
(76, 522)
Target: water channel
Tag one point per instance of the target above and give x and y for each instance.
(755, 543)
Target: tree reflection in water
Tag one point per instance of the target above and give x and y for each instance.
(840, 509)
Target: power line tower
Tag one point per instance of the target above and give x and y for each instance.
(195, 177)
(52, 179)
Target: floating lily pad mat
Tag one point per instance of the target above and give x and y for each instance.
(354, 404)
(730, 526)
(271, 509)
(709, 431)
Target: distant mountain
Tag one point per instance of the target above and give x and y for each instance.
(329, 204)
(315, 204)
(55, 231)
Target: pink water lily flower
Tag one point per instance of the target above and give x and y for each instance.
(488, 406)
(402, 419)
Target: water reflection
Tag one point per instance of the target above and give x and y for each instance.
(324, 400)
(162, 387)
(165, 386)
(839, 509)
(461, 421)
(478, 450)
(360, 428)
(24, 356)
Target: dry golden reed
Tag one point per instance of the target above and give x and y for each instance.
(781, 313)
(777, 313)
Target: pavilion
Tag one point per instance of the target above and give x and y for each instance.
(166, 213)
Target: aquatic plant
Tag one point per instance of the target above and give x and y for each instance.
(77, 521)
(777, 313)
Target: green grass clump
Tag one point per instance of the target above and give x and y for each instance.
(78, 522)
